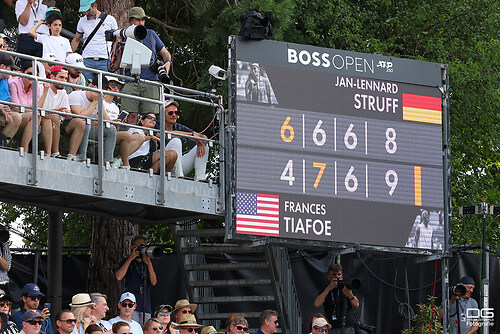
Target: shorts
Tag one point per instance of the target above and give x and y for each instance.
(141, 89)
(142, 162)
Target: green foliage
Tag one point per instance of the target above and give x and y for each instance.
(423, 319)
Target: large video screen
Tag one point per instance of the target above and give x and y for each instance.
(340, 146)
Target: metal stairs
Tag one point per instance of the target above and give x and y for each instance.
(225, 278)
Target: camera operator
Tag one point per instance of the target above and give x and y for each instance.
(139, 275)
(5, 259)
(339, 302)
(137, 16)
(458, 320)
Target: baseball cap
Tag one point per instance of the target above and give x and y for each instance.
(58, 68)
(31, 315)
(8, 60)
(169, 102)
(137, 12)
(85, 5)
(50, 11)
(320, 322)
(127, 295)
(31, 289)
(75, 59)
(110, 78)
(50, 56)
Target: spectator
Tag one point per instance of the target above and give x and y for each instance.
(99, 311)
(6, 39)
(148, 155)
(237, 325)
(210, 330)
(6, 326)
(65, 322)
(31, 300)
(2, 22)
(57, 99)
(21, 92)
(81, 306)
(162, 313)
(126, 140)
(53, 43)
(95, 50)
(320, 325)
(152, 326)
(152, 41)
(197, 157)
(85, 103)
(311, 320)
(5, 259)
(136, 269)
(32, 322)
(75, 74)
(28, 13)
(268, 322)
(127, 306)
(182, 306)
(121, 327)
(93, 329)
(187, 324)
(44, 68)
(9, 120)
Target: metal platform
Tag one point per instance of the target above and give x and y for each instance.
(71, 186)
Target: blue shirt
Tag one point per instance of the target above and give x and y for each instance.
(134, 280)
(4, 90)
(154, 43)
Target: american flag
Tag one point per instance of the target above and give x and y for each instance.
(258, 214)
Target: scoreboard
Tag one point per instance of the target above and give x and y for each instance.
(337, 146)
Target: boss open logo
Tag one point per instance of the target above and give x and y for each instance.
(480, 317)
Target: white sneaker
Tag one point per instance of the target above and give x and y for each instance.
(117, 163)
(125, 167)
(71, 157)
(55, 154)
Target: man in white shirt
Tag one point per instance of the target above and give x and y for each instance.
(28, 13)
(75, 74)
(127, 306)
(95, 53)
(99, 311)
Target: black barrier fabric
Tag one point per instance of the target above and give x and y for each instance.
(385, 302)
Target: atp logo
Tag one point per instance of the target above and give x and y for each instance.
(385, 64)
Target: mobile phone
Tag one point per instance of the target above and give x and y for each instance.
(46, 306)
(122, 115)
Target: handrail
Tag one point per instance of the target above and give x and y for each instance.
(101, 123)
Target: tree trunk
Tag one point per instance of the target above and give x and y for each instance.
(110, 243)
(110, 237)
(118, 9)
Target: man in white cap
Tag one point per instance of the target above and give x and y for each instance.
(75, 75)
(95, 52)
(320, 326)
(127, 305)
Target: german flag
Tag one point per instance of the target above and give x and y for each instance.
(421, 108)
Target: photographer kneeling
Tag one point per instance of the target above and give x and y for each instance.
(133, 270)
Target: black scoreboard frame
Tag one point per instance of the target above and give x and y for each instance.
(353, 76)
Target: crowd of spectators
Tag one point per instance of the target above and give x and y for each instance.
(40, 29)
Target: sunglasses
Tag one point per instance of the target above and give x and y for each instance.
(29, 73)
(321, 330)
(241, 328)
(2, 304)
(157, 328)
(34, 297)
(276, 322)
(34, 322)
(130, 305)
(151, 117)
(190, 330)
(115, 85)
(163, 313)
(187, 312)
(69, 321)
(171, 112)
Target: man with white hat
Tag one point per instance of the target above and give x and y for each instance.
(187, 324)
(127, 305)
(320, 326)
(75, 75)
(95, 50)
